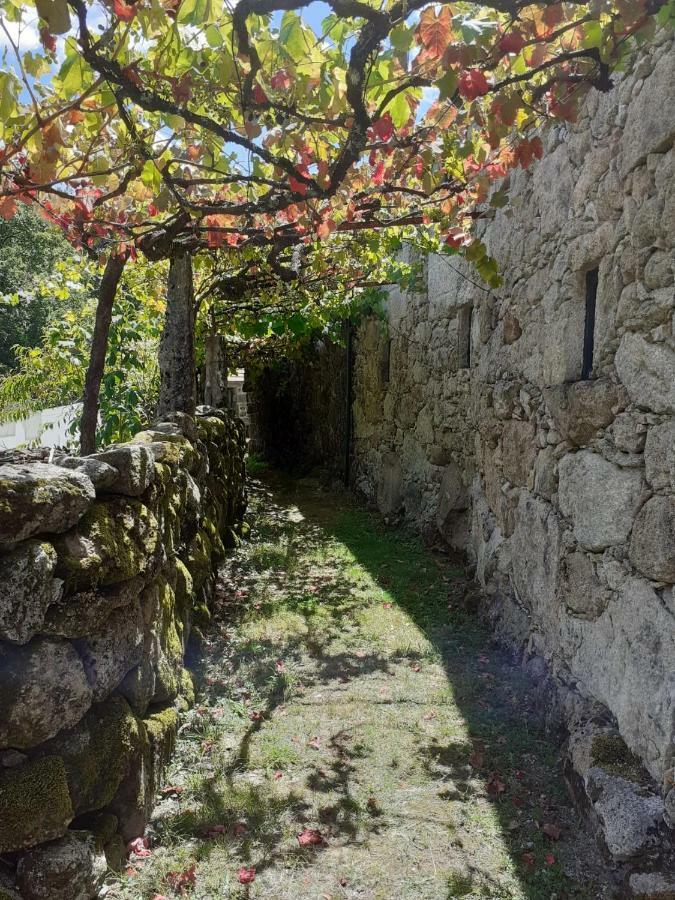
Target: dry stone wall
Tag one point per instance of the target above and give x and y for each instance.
(476, 417)
(107, 563)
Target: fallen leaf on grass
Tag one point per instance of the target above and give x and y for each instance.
(416, 667)
(549, 859)
(528, 860)
(139, 847)
(172, 789)
(181, 881)
(551, 831)
(314, 743)
(159, 897)
(495, 785)
(387, 605)
(255, 716)
(246, 876)
(343, 882)
(477, 757)
(278, 775)
(310, 837)
(212, 831)
(240, 829)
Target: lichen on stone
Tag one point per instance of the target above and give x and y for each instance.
(610, 752)
(35, 803)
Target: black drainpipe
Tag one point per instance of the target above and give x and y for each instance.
(348, 411)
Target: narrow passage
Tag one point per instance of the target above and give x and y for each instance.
(356, 734)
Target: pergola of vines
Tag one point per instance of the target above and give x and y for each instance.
(291, 142)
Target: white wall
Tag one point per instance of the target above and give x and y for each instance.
(46, 428)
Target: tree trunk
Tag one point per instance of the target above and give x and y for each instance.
(215, 371)
(177, 390)
(99, 345)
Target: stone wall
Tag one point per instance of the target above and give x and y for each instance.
(474, 418)
(298, 409)
(107, 563)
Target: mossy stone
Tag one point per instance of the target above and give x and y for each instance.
(115, 540)
(35, 804)
(199, 559)
(96, 753)
(610, 752)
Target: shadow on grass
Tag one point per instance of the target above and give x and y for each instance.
(491, 695)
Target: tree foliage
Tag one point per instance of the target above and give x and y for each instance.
(52, 374)
(29, 251)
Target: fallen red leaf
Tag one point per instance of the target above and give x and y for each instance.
(416, 667)
(172, 789)
(314, 743)
(387, 605)
(552, 831)
(310, 837)
(278, 775)
(495, 785)
(246, 876)
(528, 859)
(240, 829)
(549, 859)
(212, 831)
(179, 881)
(140, 846)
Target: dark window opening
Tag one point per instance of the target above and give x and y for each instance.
(385, 363)
(589, 323)
(464, 322)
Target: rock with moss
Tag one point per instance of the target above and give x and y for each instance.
(625, 804)
(84, 612)
(198, 559)
(96, 753)
(115, 541)
(171, 449)
(27, 589)
(40, 498)
(132, 802)
(8, 888)
(135, 464)
(112, 651)
(71, 868)
(35, 804)
(162, 730)
(101, 474)
(44, 688)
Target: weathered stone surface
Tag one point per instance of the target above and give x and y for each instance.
(35, 804)
(390, 490)
(581, 408)
(114, 650)
(627, 812)
(623, 659)
(518, 451)
(580, 588)
(115, 541)
(536, 551)
(648, 372)
(629, 432)
(660, 456)
(86, 611)
(651, 886)
(452, 496)
(652, 545)
(44, 689)
(39, 498)
(135, 464)
(650, 116)
(100, 474)
(68, 869)
(27, 588)
(600, 498)
(96, 753)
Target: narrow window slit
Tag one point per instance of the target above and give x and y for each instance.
(464, 323)
(589, 323)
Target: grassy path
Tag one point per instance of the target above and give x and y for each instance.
(346, 698)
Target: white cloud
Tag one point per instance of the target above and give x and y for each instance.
(24, 34)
